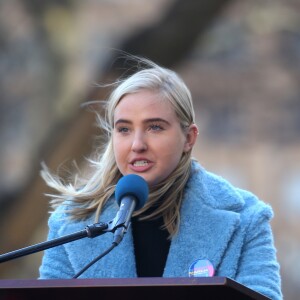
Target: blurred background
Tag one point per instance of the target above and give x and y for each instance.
(241, 60)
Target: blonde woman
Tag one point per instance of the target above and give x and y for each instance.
(191, 215)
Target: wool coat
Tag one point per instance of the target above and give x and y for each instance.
(221, 223)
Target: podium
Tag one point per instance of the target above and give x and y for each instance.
(204, 288)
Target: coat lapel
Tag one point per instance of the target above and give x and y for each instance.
(119, 263)
(209, 218)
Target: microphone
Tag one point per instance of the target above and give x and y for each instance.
(131, 193)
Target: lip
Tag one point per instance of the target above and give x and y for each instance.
(138, 169)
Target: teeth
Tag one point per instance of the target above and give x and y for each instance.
(140, 163)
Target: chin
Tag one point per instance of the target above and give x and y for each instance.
(150, 181)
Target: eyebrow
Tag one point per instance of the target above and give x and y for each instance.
(146, 121)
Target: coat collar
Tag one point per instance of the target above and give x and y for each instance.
(213, 190)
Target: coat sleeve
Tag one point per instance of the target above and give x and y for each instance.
(55, 262)
(258, 266)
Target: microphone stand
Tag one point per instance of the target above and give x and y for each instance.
(90, 231)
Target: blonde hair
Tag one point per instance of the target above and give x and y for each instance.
(90, 194)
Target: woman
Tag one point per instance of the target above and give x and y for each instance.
(191, 215)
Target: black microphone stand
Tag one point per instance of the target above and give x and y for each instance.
(90, 231)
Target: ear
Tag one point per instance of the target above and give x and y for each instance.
(191, 137)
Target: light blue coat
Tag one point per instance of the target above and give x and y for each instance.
(228, 226)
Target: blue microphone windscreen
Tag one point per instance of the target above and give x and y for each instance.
(132, 185)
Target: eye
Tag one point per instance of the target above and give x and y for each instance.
(122, 129)
(156, 127)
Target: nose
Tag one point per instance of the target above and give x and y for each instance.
(139, 143)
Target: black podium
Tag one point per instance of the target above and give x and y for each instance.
(127, 288)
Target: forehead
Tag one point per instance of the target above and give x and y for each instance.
(145, 104)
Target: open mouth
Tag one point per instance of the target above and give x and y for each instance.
(141, 163)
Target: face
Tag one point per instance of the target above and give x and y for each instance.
(147, 138)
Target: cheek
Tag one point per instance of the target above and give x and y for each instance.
(118, 149)
(121, 148)
(175, 143)
(172, 151)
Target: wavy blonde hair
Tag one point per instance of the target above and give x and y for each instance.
(89, 194)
